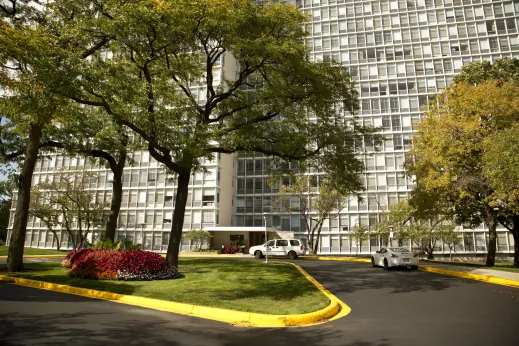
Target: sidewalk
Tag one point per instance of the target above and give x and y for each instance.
(474, 270)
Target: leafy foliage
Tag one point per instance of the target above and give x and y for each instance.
(261, 85)
(315, 206)
(199, 236)
(481, 71)
(66, 202)
(449, 148)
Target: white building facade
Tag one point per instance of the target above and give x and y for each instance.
(399, 53)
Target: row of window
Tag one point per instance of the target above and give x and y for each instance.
(369, 7)
(471, 242)
(135, 159)
(412, 20)
(158, 241)
(390, 46)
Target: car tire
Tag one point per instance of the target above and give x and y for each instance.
(386, 265)
(292, 255)
(258, 254)
(414, 267)
(373, 262)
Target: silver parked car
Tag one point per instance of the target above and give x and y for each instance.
(393, 257)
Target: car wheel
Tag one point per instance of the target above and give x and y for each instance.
(258, 254)
(292, 255)
(414, 267)
(373, 262)
(386, 265)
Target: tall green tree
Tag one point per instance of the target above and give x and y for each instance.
(501, 164)
(6, 193)
(196, 78)
(449, 145)
(30, 108)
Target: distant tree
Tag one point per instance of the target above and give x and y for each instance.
(79, 213)
(481, 71)
(397, 220)
(358, 235)
(199, 236)
(450, 237)
(44, 208)
(314, 206)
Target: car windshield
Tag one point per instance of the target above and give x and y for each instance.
(399, 249)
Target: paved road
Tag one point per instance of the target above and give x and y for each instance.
(399, 307)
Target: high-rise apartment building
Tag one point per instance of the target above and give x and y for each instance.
(400, 53)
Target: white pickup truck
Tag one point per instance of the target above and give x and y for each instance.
(292, 248)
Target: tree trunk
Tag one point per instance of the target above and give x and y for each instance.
(16, 244)
(57, 241)
(491, 221)
(430, 255)
(515, 234)
(117, 193)
(178, 218)
(316, 243)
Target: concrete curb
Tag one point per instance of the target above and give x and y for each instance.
(38, 256)
(334, 310)
(471, 276)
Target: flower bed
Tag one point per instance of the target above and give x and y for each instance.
(118, 265)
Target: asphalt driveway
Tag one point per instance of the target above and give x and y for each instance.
(397, 307)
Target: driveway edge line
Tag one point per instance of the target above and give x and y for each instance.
(334, 310)
(471, 276)
(345, 259)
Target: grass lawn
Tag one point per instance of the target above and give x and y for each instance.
(276, 288)
(502, 266)
(34, 251)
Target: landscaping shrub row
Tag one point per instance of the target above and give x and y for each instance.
(118, 265)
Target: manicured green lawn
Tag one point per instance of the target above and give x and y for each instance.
(34, 251)
(502, 266)
(276, 288)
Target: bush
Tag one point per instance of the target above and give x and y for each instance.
(123, 265)
(230, 249)
(75, 256)
(107, 244)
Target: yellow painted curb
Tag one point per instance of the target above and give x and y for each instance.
(38, 256)
(471, 276)
(334, 310)
(345, 259)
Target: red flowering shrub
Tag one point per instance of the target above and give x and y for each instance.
(122, 265)
(75, 256)
(230, 249)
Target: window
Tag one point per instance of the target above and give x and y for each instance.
(282, 242)
(295, 243)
